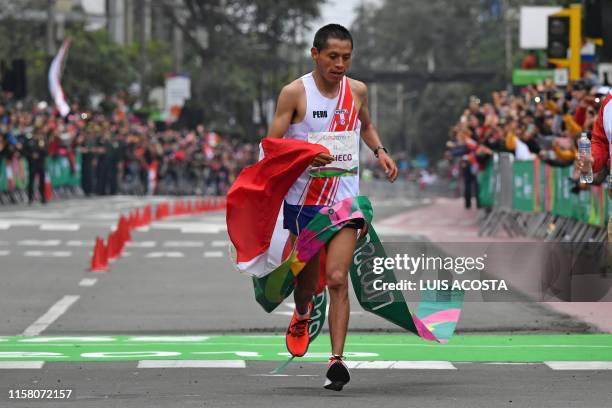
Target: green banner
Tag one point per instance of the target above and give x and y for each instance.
(522, 77)
(486, 186)
(3, 187)
(61, 172)
(524, 191)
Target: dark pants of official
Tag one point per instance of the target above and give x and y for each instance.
(470, 187)
(87, 174)
(36, 167)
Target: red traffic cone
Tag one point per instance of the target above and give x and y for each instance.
(147, 215)
(99, 261)
(114, 247)
(124, 229)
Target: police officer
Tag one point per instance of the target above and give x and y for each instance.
(35, 149)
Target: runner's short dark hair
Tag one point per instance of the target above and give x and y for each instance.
(331, 31)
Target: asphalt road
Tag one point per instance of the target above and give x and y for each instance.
(175, 285)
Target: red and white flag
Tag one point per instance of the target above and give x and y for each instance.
(254, 219)
(55, 76)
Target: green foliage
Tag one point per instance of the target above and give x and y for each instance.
(413, 34)
(95, 64)
(250, 51)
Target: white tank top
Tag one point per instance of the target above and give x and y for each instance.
(324, 115)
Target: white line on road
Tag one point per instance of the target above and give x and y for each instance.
(579, 365)
(191, 364)
(52, 254)
(37, 242)
(88, 282)
(11, 365)
(77, 243)
(5, 226)
(165, 255)
(52, 315)
(401, 365)
(213, 254)
(219, 244)
(5, 252)
(141, 244)
(60, 227)
(183, 244)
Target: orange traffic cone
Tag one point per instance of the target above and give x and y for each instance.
(99, 261)
(147, 215)
(113, 246)
(124, 229)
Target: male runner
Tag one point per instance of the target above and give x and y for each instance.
(322, 101)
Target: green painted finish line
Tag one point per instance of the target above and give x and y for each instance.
(466, 348)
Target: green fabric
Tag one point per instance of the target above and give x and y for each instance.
(523, 180)
(3, 186)
(486, 192)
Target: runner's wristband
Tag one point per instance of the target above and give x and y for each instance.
(379, 148)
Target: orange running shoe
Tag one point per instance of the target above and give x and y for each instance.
(297, 339)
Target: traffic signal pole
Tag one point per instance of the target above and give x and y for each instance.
(574, 12)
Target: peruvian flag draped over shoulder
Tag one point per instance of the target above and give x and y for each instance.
(254, 219)
(55, 76)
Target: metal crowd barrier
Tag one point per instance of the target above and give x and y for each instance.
(530, 198)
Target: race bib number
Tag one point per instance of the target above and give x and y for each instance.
(344, 147)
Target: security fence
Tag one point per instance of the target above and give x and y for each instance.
(64, 178)
(531, 198)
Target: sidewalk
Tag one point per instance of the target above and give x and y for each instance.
(447, 223)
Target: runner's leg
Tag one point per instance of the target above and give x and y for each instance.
(339, 258)
(307, 282)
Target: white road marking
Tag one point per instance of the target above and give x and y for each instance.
(48, 254)
(283, 375)
(192, 227)
(28, 354)
(191, 364)
(213, 254)
(5, 226)
(237, 353)
(183, 244)
(205, 229)
(123, 354)
(165, 339)
(165, 255)
(219, 244)
(77, 243)
(579, 365)
(5, 252)
(50, 316)
(401, 365)
(141, 244)
(60, 227)
(88, 282)
(38, 242)
(146, 228)
(29, 365)
(359, 354)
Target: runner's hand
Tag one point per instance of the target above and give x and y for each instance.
(322, 159)
(388, 165)
(582, 164)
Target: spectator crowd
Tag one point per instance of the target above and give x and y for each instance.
(119, 152)
(541, 120)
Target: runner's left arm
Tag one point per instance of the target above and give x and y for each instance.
(370, 136)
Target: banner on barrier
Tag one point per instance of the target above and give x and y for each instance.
(539, 187)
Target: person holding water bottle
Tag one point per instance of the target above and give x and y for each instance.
(599, 160)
